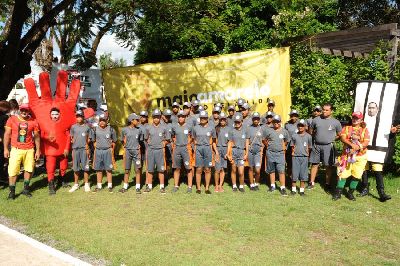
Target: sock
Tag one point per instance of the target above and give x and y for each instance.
(282, 187)
(341, 183)
(86, 184)
(161, 186)
(137, 186)
(26, 183)
(313, 183)
(240, 186)
(294, 189)
(273, 185)
(109, 185)
(189, 187)
(12, 187)
(76, 185)
(354, 184)
(256, 184)
(125, 185)
(99, 185)
(234, 186)
(252, 185)
(301, 189)
(150, 186)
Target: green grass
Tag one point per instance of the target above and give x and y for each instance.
(225, 228)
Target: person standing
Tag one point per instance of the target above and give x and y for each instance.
(355, 138)
(254, 134)
(325, 130)
(131, 136)
(221, 166)
(301, 143)
(246, 117)
(291, 127)
(23, 133)
(175, 110)
(231, 113)
(316, 112)
(80, 151)
(5, 108)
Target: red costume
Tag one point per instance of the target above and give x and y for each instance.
(55, 138)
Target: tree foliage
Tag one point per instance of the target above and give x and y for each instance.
(106, 61)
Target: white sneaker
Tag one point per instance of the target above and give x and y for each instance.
(87, 188)
(74, 187)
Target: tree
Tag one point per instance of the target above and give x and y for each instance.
(106, 62)
(19, 40)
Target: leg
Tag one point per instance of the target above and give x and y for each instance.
(161, 178)
(381, 187)
(207, 173)
(50, 169)
(233, 175)
(99, 175)
(257, 173)
(314, 172)
(177, 173)
(109, 180)
(329, 175)
(241, 175)
(251, 176)
(221, 178)
(190, 177)
(199, 171)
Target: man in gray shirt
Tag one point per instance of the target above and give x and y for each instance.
(325, 130)
(255, 134)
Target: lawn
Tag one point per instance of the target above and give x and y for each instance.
(223, 228)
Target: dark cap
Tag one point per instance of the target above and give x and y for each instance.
(133, 116)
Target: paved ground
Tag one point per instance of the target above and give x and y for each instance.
(18, 249)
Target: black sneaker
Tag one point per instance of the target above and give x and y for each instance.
(208, 192)
(257, 188)
(27, 193)
(271, 189)
(147, 189)
(11, 195)
(252, 188)
(189, 190)
(96, 190)
(138, 191)
(65, 184)
(241, 190)
(110, 190)
(198, 191)
(235, 189)
(175, 189)
(293, 193)
(52, 189)
(162, 190)
(302, 194)
(283, 192)
(123, 190)
(310, 186)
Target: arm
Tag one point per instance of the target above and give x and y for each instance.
(229, 151)
(67, 144)
(346, 141)
(246, 149)
(36, 137)
(6, 141)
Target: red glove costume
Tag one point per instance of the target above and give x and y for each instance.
(55, 138)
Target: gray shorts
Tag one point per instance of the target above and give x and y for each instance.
(179, 156)
(102, 160)
(155, 159)
(132, 156)
(323, 153)
(255, 158)
(203, 156)
(80, 160)
(275, 162)
(299, 168)
(237, 156)
(223, 163)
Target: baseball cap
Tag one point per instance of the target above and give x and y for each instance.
(271, 114)
(201, 108)
(181, 113)
(195, 103)
(246, 106)
(144, 113)
(218, 105)
(103, 116)
(24, 106)
(104, 107)
(133, 116)
(231, 107)
(271, 102)
(175, 104)
(294, 112)
(186, 104)
(79, 113)
(240, 102)
(216, 109)
(277, 118)
(203, 114)
(318, 108)
(237, 118)
(156, 112)
(256, 115)
(222, 115)
(358, 115)
(301, 122)
(167, 112)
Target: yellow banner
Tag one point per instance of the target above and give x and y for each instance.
(255, 76)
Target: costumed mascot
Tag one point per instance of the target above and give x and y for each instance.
(55, 117)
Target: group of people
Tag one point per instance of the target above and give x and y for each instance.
(187, 139)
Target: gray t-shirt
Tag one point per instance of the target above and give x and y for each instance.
(79, 135)
(181, 134)
(222, 136)
(291, 128)
(301, 144)
(247, 121)
(276, 139)
(132, 137)
(203, 135)
(325, 130)
(103, 137)
(230, 122)
(238, 137)
(213, 122)
(156, 135)
(255, 136)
